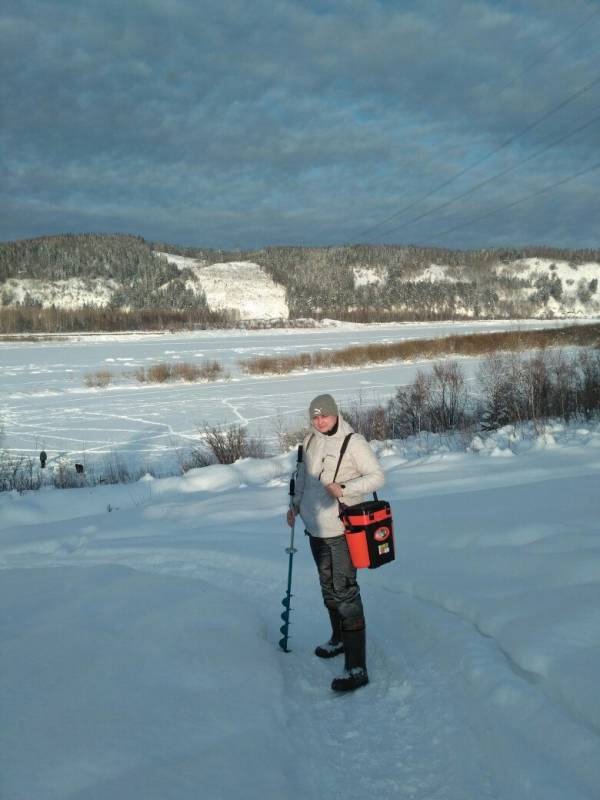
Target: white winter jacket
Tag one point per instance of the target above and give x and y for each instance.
(359, 473)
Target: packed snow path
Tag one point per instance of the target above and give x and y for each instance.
(139, 629)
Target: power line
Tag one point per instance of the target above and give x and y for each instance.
(546, 53)
(515, 202)
(525, 130)
(494, 177)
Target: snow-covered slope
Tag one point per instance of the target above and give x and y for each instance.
(139, 628)
(72, 293)
(366, 276)
(238, 285)
(574, 298)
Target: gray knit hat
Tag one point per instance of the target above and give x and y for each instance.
(323, 405)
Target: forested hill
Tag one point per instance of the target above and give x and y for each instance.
(99, 270)
(364, 282)
(360, 282)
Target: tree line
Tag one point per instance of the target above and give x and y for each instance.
(22, 319)
(319, 281)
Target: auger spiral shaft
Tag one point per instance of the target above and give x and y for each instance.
(285, 616)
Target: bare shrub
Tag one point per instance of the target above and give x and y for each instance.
(537, 386)
(288, 439)
(229, 444)
(588, 367)
(502, 400)
(564, 379)
(18, 473)
(65, 476)
(99, 379)
(436, 402)
(448, 405)
(547, 384)
(513, 389)
(198, 457)
(115, 470)
(408, 409)
(372, 422)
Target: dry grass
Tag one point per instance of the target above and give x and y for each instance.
(475, 344)
(181, 371)
(98, 380)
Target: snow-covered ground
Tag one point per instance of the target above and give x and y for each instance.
(45, 404)
(139, 628)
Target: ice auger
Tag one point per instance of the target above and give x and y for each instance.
(285, 616)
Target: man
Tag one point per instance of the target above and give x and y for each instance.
(325, 481)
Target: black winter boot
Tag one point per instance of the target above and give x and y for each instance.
(355, 672)
(334, 646)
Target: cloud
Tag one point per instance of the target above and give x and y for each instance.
(236, 124)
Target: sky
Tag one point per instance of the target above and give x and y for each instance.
(232, 124)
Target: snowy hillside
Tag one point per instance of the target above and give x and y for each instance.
(351, 283)
(139, 628)
(70, 293)
(576, 284)
(242, 287)
(239, 285)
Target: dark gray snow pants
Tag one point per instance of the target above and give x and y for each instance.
(337, 576)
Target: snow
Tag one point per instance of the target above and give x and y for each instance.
(139, 628)
(239, 285)
(435, 273)
(572, 277)
(365, 276)
(45, 403)
(532, 267)
(70, 293)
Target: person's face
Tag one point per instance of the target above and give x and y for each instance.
(324, 423)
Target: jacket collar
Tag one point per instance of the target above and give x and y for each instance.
(343, 429)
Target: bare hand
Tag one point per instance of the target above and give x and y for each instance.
(291, 516)
(335, 490)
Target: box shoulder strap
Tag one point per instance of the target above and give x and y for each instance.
(342, 451)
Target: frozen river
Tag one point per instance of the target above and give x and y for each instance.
(45, 404)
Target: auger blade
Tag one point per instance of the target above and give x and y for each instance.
(283, 645)
(286, 601)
